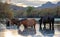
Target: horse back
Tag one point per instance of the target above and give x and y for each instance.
(32, 21)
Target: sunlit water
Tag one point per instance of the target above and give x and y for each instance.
(56, 19)
(12, 31)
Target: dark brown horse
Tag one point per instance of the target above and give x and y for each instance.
(45, 20)
(28, 22)
(12, 22)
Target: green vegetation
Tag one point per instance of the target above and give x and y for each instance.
(29, 11)
(33, 12)
(5, 12)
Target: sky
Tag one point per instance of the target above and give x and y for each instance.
(26, 3)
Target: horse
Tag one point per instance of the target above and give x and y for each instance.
(12, 22)
(45, 20)
(28, 23)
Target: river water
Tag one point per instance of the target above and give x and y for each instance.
(12, 31)
(56, 19)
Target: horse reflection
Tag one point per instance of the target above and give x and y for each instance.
(47, 32)
(46, 20)
(26, 32)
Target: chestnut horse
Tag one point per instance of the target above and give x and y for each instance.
(28, 23)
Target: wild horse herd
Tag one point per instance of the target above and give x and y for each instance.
(30, 22)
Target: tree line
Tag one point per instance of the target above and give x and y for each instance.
(32, 12)
(6, 12)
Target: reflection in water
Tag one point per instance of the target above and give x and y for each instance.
(47, 32)
(30, 32)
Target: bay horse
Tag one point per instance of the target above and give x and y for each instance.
(45, 20)
(28, 23)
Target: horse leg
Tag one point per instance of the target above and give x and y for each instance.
(25, 27)
(40, 26)
(34, 27)
(8, 24)
(50, 26)
(18, 26)
(44, 25)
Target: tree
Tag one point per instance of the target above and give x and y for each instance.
(29, 10)
(5, 12)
